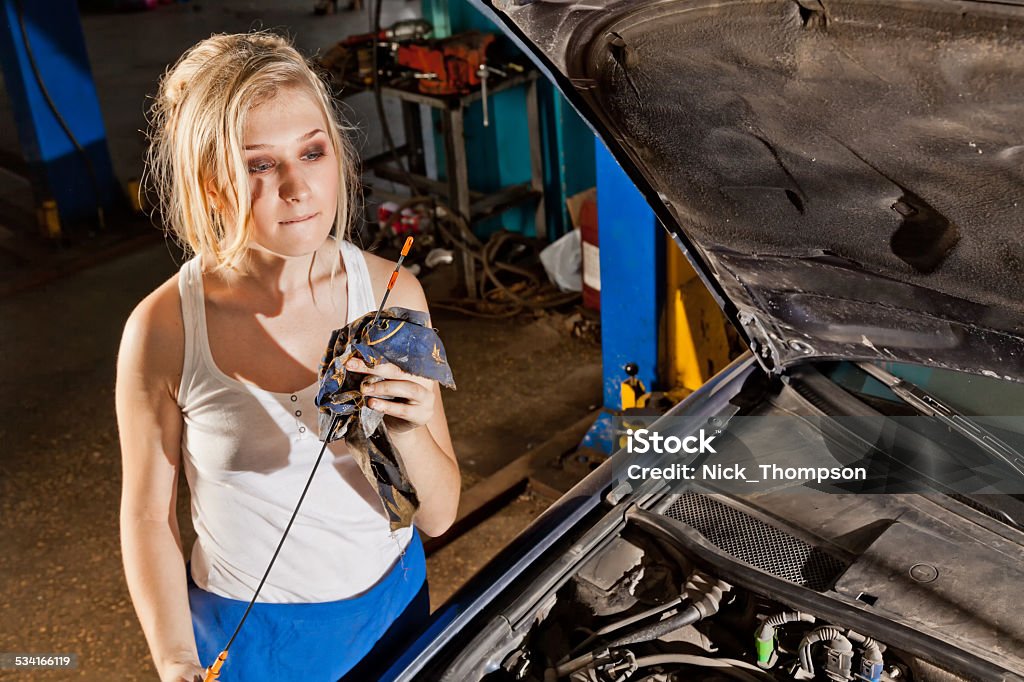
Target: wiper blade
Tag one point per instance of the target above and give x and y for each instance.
(929, 405)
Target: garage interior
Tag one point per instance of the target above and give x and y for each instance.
(538, 382)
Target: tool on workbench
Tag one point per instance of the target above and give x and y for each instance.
(398, 32)
(352, 59)
(483, 72)
(455, 61)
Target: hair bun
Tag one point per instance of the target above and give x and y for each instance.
(211, 52)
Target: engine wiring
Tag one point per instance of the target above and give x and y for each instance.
(710, 630)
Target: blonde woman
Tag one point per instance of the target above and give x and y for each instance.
(217, 375)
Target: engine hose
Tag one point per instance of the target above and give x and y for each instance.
(618, 625)
(687, 616)
(569, 667)
(705, 595)
(732, 667)
(864, 641)
(871, 662)
(826, 633)
(780, 619)
(764, 638)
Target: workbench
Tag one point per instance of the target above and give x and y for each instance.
(454, 189)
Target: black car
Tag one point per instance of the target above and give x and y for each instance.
(847, 179)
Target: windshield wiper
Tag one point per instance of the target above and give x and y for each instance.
(929, 405)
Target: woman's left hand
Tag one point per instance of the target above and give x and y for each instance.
(414, 404)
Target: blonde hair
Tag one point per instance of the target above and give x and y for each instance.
(196, 139)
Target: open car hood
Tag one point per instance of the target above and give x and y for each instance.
(847, 177)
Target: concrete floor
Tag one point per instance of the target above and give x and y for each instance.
(62, 588)
(62, 583)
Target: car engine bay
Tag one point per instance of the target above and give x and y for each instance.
(701, 586)
(676, 584)
(640, 610)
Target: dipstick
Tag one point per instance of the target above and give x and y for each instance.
(394, 278)
(213, 672)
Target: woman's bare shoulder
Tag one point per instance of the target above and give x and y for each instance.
(153, 341)
(408, 292)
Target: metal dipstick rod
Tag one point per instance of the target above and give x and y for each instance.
(213, 671)
(394, 278)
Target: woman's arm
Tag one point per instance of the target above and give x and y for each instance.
(431, 465)
(149, 421)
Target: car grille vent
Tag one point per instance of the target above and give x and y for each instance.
(757, 543)
(1002, 517)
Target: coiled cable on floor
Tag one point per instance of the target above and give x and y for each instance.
(501, 289)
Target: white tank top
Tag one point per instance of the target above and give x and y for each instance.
(247, 454)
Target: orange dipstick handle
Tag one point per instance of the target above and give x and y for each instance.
(214, 670)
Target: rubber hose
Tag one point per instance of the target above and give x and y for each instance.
(727, 666)
(826, 633)
(687, 616)
(780, 619)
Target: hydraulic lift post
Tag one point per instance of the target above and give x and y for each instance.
(55, 106)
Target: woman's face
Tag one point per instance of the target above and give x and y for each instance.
(293, 174)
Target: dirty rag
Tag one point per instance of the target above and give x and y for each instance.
(402, 337)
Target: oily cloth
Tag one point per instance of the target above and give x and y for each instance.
(318, 642)
(402, 337)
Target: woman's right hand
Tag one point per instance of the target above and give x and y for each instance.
(183, 672)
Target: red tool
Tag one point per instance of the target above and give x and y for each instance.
(453, 63)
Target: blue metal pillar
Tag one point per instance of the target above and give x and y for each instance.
(58, 58)
(632, 264)
(632, 253)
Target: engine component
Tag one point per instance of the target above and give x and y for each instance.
(765, 637)
(871, 663)
(839, 652)
(606, 582)
(704, 594)
(590, 632)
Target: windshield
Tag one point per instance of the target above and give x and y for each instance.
(969, 394)
(986, 411)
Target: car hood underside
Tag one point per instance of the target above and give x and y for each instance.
(846, 176)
